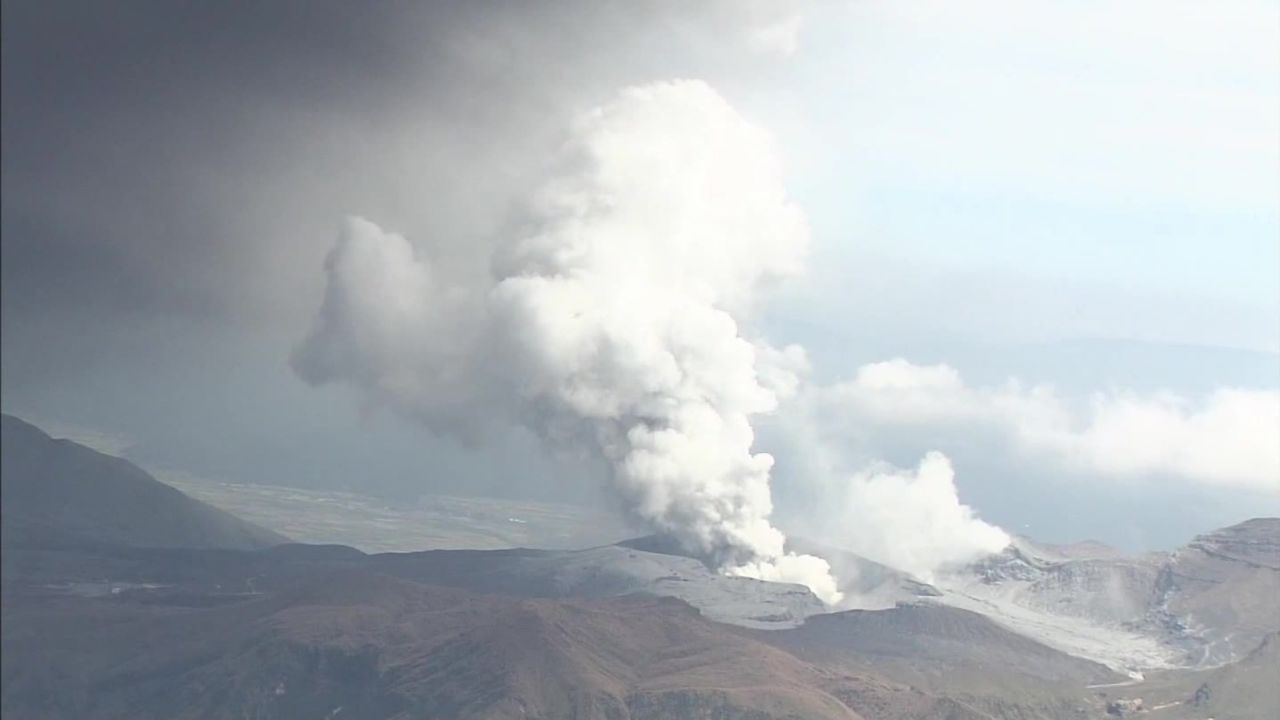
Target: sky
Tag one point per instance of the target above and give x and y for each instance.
(1051, 224)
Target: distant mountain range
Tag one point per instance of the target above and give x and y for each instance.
(123, 598)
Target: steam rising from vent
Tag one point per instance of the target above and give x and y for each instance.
(609, 321)
(917, 521)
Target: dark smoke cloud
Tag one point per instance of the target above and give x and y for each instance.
(186, 156)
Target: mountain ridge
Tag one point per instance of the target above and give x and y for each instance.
(58, 492)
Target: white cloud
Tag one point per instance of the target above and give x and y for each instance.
(899, 374)
(1231, 438)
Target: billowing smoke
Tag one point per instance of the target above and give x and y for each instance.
(913, 520)
(608, 320)
(842, 495)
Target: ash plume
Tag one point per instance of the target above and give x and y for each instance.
(608, 320)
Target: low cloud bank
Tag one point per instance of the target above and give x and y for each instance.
(1229, 438)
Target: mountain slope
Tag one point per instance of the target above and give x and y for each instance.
(608, 571)
(57, 492)
(1224, 588)
(1242, 690)
(949, 652)
(356, 644)
(1206, 604)
(142, 632)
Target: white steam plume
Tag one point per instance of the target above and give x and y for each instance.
(914, 520)
(609, 321)
(908, 519)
